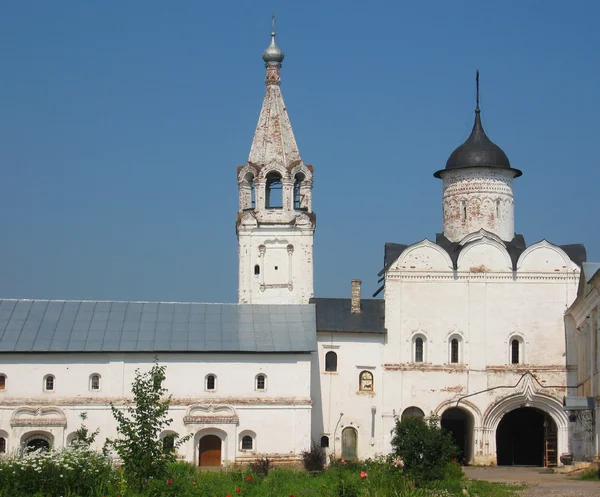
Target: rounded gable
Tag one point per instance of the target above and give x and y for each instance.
(423, 256)
(545, 257)
(484, 255)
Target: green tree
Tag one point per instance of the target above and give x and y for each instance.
(139, 424)
(83, 436)
(425, 448)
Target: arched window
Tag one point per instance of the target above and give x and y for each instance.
(274, 199)
(261, 382)
(514, 351)
(413, 412)
(419, 349)
(298, 200)
(463, 209)
(2, 382)
(324, 442)
(331, 362)
(2, 445)
(211, 382)
(95, 382)
(168, 442)
(454, 351)
(247, 442)
(366, 381)
(49, 383)
(256, 270)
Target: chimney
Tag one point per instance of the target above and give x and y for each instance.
(355, 297)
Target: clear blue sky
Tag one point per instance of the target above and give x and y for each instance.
(122, 123)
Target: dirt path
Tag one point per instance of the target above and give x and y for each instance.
(539, 482)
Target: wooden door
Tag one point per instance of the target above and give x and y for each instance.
(209, 451)
(349, 444)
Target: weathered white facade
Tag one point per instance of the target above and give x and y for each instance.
(583, 356)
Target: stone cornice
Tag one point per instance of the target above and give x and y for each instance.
(394, 274)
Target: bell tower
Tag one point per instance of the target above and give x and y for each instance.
(275, 223)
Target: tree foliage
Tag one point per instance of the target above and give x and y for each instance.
(139, 425)
(83, 435)
(425, 448)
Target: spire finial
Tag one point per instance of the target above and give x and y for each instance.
(477, 87)
(272, 23)
(273, 57)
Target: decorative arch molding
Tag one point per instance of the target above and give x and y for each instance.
(479, 235)
(210, 414)
(463, 263)
(244, 171)
(425, 245)
(524, 265)
(526, 398)
(248, 219)
(38, 417)
(37, 435)
(273, 168)
(466, 405)
(301, 168)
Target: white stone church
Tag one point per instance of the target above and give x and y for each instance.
(470, 328)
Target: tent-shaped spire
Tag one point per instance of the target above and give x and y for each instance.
(274, 141)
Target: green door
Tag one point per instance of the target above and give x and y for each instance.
(349, 444)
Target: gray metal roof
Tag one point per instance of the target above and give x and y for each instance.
(334, 315)
(590, 269)
(96, 326)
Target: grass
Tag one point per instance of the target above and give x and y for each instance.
(78, 474)
(590, 474)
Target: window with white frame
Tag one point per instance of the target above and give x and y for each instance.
(365, 381)
(261, 382)
(210, 383)
(49, 383)
(331, 362)
(95, 382)
(516, 350)
(419, 343)
(247, 442)
(455, 349)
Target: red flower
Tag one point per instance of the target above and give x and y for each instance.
(238, 490)
(227, 495)
(169, 482)
(249, 478)
(193, 483)
(363, 474)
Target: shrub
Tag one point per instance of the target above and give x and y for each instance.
(425, 448)
(143, 454)
(313, 459)
(261, 466)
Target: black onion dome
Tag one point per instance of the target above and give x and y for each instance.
(478, 151)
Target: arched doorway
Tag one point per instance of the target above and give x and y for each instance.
(37, 442)
(460, 424)
(209, 451)
(349, 439)
(412, 412)
(526, 437)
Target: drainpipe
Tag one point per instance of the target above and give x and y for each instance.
(373, 411)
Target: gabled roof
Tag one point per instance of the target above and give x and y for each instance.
(99, 326)
(334, 315)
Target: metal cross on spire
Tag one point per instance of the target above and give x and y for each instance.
(477, 89)
(273, 22)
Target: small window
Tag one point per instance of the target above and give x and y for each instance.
(168, 442)
(2, 445)
(413, 412)
(261, 382)
(247, 442)
(211, 382)
(49, 383)
(298, 197)
(331, 362)
(366, 381)
(324, 442)
(2, 382)
(454, 351)
(463, 209)
(95, 382)
(256, 270)
(419, 349)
